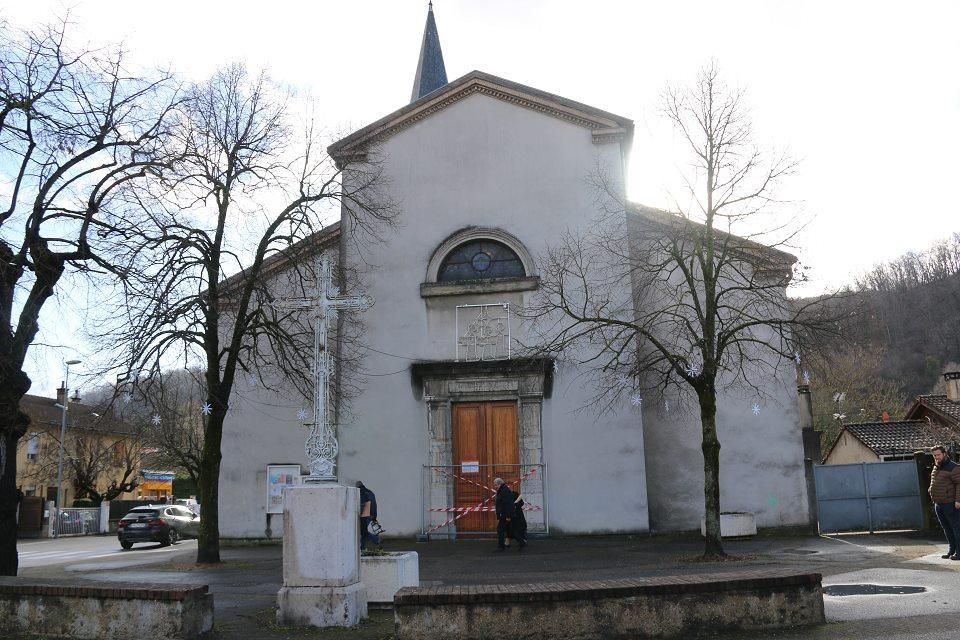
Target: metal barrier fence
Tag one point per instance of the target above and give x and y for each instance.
(78, 521)
(458, 500)
(866, 496)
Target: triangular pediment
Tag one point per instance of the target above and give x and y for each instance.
(604, 125)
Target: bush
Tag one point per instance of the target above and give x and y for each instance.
(83, 502)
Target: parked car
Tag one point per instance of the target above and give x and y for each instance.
(190, 503)
(166, 524)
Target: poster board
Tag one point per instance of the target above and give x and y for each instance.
(278, 477)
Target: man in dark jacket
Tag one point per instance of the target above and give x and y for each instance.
(505, 510)
(368, 514)
(945, 494)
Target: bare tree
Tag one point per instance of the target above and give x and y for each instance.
(75, 128)
(650, 300)
(176, 440)
(249, 195)
(95, 461)
(849, 387)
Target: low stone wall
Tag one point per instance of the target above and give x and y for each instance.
(56, 609)
(658, 607)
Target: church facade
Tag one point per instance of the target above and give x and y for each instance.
(489, 174)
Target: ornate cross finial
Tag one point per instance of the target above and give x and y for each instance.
(321, 446)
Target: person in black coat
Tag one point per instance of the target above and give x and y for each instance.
(368, 514)
(506, 512)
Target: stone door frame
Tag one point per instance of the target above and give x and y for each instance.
(524, 381)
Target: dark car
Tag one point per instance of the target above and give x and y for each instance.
(166, 524)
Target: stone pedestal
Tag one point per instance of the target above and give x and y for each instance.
(321, 557)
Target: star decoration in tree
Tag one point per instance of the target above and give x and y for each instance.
(796, 357)
(693, 370)
(155, 419)
(666, 406)
(756, 408)
(623, 380)
(206, 409)
(302, 415)
(127, 398)
(252, 380)
(806, 377)
(636, 400)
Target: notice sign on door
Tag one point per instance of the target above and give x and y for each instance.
(470, 466)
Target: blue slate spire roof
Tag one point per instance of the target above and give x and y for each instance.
(431, 74)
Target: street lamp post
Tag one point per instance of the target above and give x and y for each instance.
(63, 434)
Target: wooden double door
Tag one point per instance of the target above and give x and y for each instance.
(485, 446)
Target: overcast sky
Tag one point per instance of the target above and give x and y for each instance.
(866, 95)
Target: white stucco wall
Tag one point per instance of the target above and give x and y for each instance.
(488, 163)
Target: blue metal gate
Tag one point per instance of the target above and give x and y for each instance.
(868, 496)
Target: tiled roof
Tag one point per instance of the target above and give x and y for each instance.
(44, 413)
(939, 403)
(900, 438)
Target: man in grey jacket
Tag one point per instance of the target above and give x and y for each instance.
(945, 494)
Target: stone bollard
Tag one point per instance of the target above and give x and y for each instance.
(321, 557)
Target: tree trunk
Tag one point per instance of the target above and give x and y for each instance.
(9, 501)
(13, 424)
(208, 544)
(711, 473)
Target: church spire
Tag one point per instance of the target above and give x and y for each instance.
(431, 73)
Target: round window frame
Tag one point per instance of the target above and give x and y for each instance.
(480, 233)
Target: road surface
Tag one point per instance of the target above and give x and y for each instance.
(94, 552)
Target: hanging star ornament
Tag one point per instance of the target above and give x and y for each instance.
(206, 409)
(302, 415)
(796, 357)
(636, 400)
(623, 380)
(127, 398)
(806, 377)
(756, 408)
(155, 419)
(693, 370)
(252, 380)
(666, 406)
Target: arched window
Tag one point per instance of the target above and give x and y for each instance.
(480, 260)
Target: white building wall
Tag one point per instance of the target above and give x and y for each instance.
(487, 163)
(484, 162)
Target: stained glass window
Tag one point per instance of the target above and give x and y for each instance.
(480, 260)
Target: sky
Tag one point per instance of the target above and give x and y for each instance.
(865, 95)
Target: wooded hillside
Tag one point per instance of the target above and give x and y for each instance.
(903, 332)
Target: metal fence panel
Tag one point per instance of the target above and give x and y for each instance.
(458, 500)
(78, 521)
(868, 496)
(840, 482)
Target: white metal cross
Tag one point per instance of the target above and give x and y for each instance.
(321, 446)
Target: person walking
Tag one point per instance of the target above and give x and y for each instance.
(945, 494)
(505, 508)
(368, 515)
(518, 528)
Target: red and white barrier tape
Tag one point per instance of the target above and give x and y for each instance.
(480, 506)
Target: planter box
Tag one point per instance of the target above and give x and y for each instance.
(384, 575)
(733, 525)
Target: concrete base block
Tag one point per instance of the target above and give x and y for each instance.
(384, 575)
(321, 606)
(733, 525)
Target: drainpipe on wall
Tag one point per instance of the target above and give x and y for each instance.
(811, 449)
(811, 439)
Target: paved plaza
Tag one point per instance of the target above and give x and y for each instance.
(245, 586)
